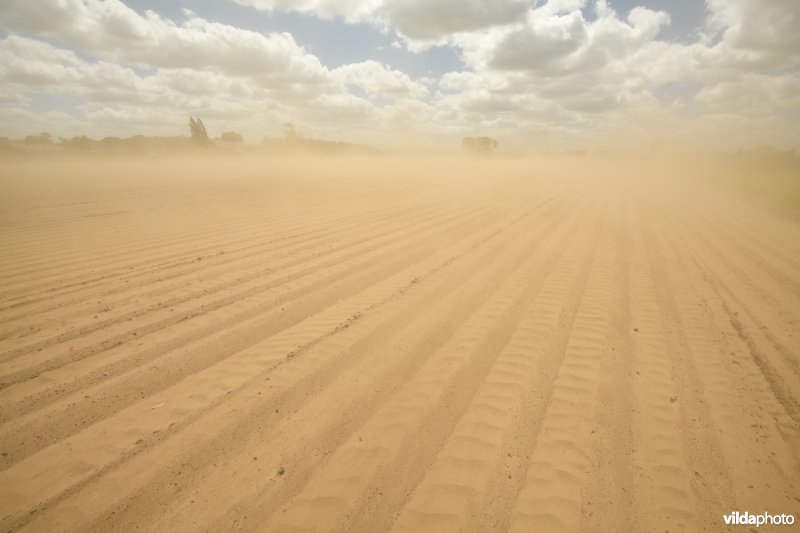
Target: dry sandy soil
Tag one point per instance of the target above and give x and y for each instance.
(340, 346)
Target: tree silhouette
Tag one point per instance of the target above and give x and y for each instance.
(290, 132)
(198, 132)
(79, 143)
(231, 136)
(479, 145)
(42, 138)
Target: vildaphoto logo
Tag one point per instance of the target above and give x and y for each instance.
(764, 519)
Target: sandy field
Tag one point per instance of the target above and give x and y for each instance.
(381, 345)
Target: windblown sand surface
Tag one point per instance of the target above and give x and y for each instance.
(331, 346)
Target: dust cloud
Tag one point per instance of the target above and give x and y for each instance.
(398, 341)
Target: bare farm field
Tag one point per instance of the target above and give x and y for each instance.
(373, 346)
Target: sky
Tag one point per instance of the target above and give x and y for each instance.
(532, 74)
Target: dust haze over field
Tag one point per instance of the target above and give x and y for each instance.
(367, 265)
(385, 343)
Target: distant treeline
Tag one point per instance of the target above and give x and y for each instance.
(198, 140)
(43, 143)
(154, 145)
(770, 153)
(294, 141)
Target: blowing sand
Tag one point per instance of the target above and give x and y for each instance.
(362, 346)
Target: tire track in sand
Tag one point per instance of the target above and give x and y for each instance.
(393, 448)
(551, 494)
(482, 463)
